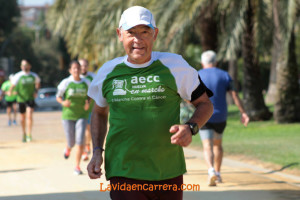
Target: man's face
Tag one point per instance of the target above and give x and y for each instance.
(138, 42)
(25, 66)
(84, 66)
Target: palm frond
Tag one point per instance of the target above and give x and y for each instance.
(263, 28)
(232, 42)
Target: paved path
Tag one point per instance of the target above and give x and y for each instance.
(38, 171)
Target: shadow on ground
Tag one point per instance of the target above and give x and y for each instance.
(207, 195)
(16, 170)
(283, 168)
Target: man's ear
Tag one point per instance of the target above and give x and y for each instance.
(120, 35)
(155, 33)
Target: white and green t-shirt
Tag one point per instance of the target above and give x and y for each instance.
(25, 85)
(144, 102)
(76, 92)
(5, 87)
(89, 75)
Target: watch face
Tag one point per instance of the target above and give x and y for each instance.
(194, 128)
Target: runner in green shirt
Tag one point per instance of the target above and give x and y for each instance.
(142, 92)
(11, 103)
(72, 95)
(26, 83)
(90, 76)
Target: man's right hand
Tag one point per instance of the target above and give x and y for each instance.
(94, 167)
(66, 103)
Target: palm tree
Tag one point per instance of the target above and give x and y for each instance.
(287, 101)
(88, 27)
(207, 25)
(246, 24)
(277, 41)
(252, 90)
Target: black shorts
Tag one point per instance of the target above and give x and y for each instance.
(218, 127)
(23, 105)
(10, 103)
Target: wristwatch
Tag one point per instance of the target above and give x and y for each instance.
(194, 127)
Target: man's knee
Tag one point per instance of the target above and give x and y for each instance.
(207, 145)
(71, 144)
(23, 116)
(218, 147)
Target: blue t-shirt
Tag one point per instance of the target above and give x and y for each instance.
(219, 82)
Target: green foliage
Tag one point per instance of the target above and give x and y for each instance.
(9, 11)
(192, 55)
(89, 30)
(231, 39)
(264, 66)
(20, 47)
(234, 27)
(47, 54)
(263, 27)
(89, 27)
(44, 56)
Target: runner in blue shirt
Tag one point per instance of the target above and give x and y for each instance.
(219, 82)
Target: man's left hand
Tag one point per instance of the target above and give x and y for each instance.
(245, 119)
(182, 135)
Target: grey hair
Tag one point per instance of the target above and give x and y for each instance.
(208, 57)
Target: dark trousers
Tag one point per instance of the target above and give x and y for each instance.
(132, 189)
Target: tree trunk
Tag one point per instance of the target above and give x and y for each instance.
(287, 104)
(252, 88)
(207, 27)
(287, 100)
(271, 94)
(277, 48)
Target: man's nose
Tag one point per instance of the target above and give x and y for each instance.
(137, 37)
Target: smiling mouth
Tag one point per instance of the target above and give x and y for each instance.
(137, 48)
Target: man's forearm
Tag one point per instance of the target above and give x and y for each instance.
(37, 86)
(237, 101)
(11, 89)
(204, 110)
(98, 127)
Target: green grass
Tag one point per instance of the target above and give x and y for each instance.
(266, 140)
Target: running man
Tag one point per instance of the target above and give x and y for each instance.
(11, 101)
(90, 76)
(220, 82)
(26, 83)
(142, 92)
(72, 95)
